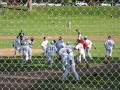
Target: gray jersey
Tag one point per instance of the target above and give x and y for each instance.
(70, 58)
(51, 49)
(109, 44)
(27, 42)
(16, 42)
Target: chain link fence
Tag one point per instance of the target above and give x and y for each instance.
(28, 63)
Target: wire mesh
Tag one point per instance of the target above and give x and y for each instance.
(42, 48)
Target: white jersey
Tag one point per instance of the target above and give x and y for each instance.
(80, 48)
(109, 44)
(27, 42)
(44, 44)
(79, 36)
(16, 42)
(51, 49)
(89, 43)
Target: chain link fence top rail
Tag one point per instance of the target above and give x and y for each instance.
(59, 45)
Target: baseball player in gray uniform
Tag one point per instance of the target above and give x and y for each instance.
(109, 44)
(60, 43)
(70, 66)
(16, 45)
(26, 50)
(63, 56)
(51, 52)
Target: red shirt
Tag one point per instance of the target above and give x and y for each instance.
(83, 42)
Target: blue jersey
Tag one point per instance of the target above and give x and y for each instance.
(59, 44)
(16, 42)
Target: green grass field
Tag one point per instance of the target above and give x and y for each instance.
(45, 21)
(53, 21)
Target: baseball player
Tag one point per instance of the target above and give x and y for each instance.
(51, 52)
(26, 49)
(60, 43)
(44, 45)
(70, 66)
(54, 42)
(68, 46)
(16, 45)
(109, 44)
(21, 36)
(63, 56)
(80, 38)
(87, 46)
(81, 52)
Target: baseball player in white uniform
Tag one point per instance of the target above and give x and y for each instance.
(26, 50)
(109, 44)
(51, 52)
(88, 47)
(44, 45)
(16, 45)
(81, 52)
(79, 35)
(70, 66)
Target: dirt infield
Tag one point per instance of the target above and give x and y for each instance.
(10, 51)
(66, 37)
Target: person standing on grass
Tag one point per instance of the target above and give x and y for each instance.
(44, 45)
(16, 45)
(109, 44)
(80, 38)
(88, 45)
(81, 53)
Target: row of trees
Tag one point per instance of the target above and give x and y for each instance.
(57, 1)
